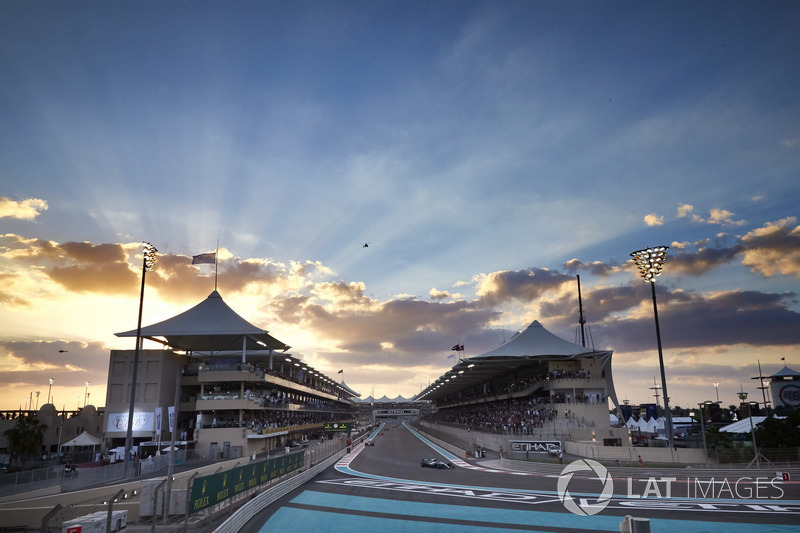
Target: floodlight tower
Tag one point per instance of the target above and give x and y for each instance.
(148, 264)
(650, 262)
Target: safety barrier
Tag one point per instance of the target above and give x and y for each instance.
(241, 517)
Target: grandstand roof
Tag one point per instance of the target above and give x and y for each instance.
(210, 326)
(525, 349)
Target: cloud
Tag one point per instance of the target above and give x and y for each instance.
(25, 210)
(684, 210)
(692, 320)
(436, 294)
(773, 248)
(596, 268)
(334, 323)
(723, 216)
(717, 216)
(701, 261)
(70, 363)
(522, 285)
(654, 220)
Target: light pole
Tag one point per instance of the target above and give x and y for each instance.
(86, 394)
(650, 262)
(703, 428)
(37, 400)
(716, 388)
(49, 389)
(743, 396)
(148, 263)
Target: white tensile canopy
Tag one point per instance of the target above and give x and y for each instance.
(536, 341)
(210, 326)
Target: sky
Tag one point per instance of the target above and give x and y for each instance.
(488, 153)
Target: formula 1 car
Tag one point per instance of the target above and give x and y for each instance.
(436, 463)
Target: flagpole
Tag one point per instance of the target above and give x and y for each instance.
(216, 263)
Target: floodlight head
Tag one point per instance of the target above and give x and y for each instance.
(650, 261)
(149, 256)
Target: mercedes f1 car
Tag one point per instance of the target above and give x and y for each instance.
(436, 463)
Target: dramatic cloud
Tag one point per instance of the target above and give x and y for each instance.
(774, 248)
(701, 261)
(697, 320)
(25, 210)
(334, 323)
(522, 285)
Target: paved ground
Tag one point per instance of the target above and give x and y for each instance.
(384, 488)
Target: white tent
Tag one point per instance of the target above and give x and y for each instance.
(651, 426)
(631, 423)
(743, 426)
(84, 439)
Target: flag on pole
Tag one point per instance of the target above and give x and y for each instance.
(458, 348)
(341, 371)
(451, 356)
(209, 258)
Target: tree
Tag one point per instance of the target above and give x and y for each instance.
(779, 433)
(25, 438)
(716, 438)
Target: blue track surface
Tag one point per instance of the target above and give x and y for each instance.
(336, 512)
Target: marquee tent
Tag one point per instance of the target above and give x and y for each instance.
(84, 439)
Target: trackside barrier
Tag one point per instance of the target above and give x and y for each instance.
(633, 524)
(241, 517)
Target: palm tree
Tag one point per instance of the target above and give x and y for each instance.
(717, 439)
(25, 438)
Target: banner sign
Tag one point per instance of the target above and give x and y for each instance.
(336, 426)
(216, 488)
(536, 446)
(158, 420)
(142, 421)
(171, 415)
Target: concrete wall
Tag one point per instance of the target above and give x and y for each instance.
(629, 455)
(469, 440)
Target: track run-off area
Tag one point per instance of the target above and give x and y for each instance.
(384, 488)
